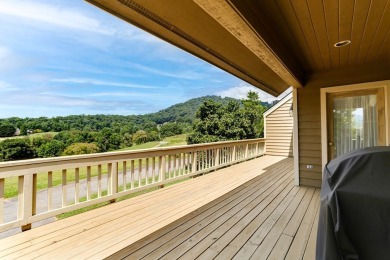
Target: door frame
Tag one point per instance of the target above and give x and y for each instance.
(385, 85)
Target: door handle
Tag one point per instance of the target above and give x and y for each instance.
(330, 144)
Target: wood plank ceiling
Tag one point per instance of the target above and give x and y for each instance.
(308, 30)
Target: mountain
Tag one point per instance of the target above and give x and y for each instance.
(184, 112)
(180, 113)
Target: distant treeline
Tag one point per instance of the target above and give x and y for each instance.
(182, 113)
(208, 119)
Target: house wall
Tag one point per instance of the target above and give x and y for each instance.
(309, 115)
(279, 130)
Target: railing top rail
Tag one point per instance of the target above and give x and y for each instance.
(39, 162)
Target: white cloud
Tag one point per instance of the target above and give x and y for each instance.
(240, 92)
(102, 83)
(125, 94)
(4, 86)
(4, 52)
(187, 74)
(49, 14)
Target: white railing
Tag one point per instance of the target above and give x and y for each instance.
(44, 188)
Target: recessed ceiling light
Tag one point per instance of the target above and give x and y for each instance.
(342, 43)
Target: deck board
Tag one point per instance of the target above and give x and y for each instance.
(184, 220)
(272, 219)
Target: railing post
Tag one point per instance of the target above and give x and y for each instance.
(113, 170)
(1, 201)
(194, 161)
(64, 187)
(234, 154)
(216, 162)
(257, 148)
(246, 151)
(162, 170)
(26, 198)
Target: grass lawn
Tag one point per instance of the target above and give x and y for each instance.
(32, 136)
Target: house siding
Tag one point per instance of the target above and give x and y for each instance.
(309, 133)
(279, 131)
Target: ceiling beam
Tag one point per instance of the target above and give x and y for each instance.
(227, 16)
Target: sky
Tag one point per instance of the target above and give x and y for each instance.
(62, 58)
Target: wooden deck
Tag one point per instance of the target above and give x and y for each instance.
(248, 210)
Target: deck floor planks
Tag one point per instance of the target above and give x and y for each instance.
(137, 204)
(222, 205)
(64, 235)
(298, 246)
(139, 207)
(209, 217)
(197, 243)
(288, 230)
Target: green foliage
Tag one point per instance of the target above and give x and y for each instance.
(216, 119)
(127, 140)
(51, 149)
(153, 136)
(81, 148)
(216, 122)
(140, 137)
(169, 129)
(16, 149)
(107, 140)
(7, 130)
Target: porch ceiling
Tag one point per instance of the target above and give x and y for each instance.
(271, 44)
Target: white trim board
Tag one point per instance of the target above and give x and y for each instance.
(295, 137)
(371, 85)
(277, 105)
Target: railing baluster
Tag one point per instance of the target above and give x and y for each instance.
(180, 170)
(109, 179)
(147, 171)
(77, 185)
(169, 166)
(153, 169)
(162, 168)
(99, 184)
(50, 190)
(124, 175)
(114, 178)
(89, 192)
(20, 197)
(194, 161)
(139, 172)
(174, 165)
(34, 194)
(132, 173)
(1, 201)
(64, 187)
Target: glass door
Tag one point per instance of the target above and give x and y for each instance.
(355, 120)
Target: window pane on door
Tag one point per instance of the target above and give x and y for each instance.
(355, 123)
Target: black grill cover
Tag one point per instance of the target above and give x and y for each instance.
(354, 220)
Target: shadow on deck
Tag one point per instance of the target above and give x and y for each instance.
(248, 210)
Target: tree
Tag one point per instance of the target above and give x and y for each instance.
(7, 130)
(140, 137)
(169, 129)
(254, 111)
(107, 140)
(216, 122)
(127, 140)
(16, 149)
(51, 149)
(81, 148)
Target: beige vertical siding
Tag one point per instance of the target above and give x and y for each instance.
(279, 131)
